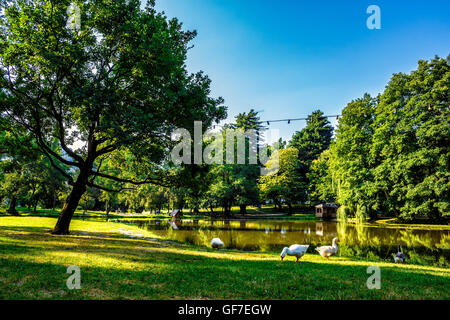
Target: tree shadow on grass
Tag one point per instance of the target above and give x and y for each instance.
(45, 231)
(25, 229)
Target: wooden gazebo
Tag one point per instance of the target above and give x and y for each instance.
(326, 211)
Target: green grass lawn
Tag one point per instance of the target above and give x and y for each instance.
(116, 265)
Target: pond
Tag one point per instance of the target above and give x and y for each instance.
(421, 246)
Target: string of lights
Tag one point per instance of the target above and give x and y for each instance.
(430, 108)
(296, 119)
(337, 116)
(286, 120)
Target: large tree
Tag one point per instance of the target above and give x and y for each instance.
(321, 187)
(236, 183)
(350, 161)
(246, 182)
(286, 184)
(116, 85)
(310, 142)
(411, 143)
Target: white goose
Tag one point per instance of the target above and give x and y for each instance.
(328, 251)
(296, 250)
(216, 243)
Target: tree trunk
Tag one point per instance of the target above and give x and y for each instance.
(54, 203)
(372, 215)
(79, 188)
(290, 208)
(12, 205)
(243, 209)
(107, 209)
(35, 206)
(31, 201)
(230, 205)
(278, 204)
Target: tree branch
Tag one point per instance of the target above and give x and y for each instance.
(107, 176)
(93, 185)
(65, 174)
(133, 182)
(63, 141)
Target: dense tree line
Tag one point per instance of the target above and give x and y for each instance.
(391, 154)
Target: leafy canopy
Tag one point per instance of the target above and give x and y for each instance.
(118, 84)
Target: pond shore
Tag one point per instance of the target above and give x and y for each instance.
(252, 213)
(120, 261)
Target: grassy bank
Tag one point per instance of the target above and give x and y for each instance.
(252, 213)
(395, 223)
(116, 265)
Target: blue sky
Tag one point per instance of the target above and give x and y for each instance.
(290, 57)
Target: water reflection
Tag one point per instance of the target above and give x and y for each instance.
(374, 242)
(327, 228)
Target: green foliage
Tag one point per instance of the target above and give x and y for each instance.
(248, 121)
(321, 187)
(411, 142)
(286, 184)
(235, 184)
(310, 142)
(314, 138)
(26, 176)
(158, 198)
(349, 160)
(392, 154)
(119, 85)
